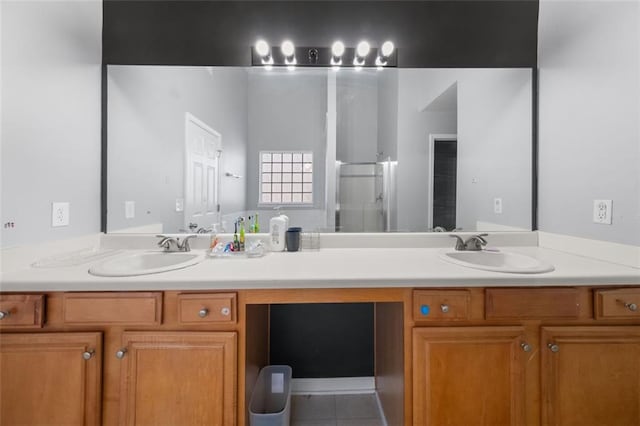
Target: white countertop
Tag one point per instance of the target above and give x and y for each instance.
(329, 268)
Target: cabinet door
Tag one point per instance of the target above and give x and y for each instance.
(178, 378)
(469, 376)
(591, 375)
(50, 378)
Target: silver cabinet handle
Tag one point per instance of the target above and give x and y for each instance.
(553, 347)
(87, 355)
(225, 311)
(444, 308)
(203, 312)
(630, 306)
(525, 346)
(121, 353)
(4, 314)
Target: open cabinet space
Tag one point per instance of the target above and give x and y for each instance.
(344, 400)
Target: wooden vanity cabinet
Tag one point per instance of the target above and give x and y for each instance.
(469, 375)
(590, 375)
(550, 356)
(50, 378)
(172, 378)
(107, 358)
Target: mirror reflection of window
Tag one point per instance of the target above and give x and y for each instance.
(286, 177)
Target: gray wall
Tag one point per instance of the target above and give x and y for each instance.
(388, 137)
(287, 111)
(51, 56)
(146, 107)
(494, 148)
(589, 59)
(417, 88)
(357, 114)
(494, 144)
(388, 113)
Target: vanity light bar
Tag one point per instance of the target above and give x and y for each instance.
(337, 56)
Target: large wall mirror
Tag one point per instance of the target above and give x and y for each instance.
(193, 148)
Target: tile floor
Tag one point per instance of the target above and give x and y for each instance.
(335, 410)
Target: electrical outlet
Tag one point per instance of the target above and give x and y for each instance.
(497, 205)
(129, 209)
(602, 211)
(59, 214)
(179, 204)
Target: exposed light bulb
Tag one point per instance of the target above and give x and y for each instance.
(337, 49)
(262, 48)
(287, 48)
(363, 49)
(387, 49)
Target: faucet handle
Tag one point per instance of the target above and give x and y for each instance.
(476, 242)
(480, 237)
(184, 243)
(460, 244)
(166, 241)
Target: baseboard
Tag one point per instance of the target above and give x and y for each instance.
(340, 385)
(621, 254)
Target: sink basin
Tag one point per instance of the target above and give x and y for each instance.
(498, 261)
(148, 262)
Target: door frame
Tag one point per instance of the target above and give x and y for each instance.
(190, 118)
(433, 138)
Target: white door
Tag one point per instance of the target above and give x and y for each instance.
(203, 146)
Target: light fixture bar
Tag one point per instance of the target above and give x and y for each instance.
(324, 57)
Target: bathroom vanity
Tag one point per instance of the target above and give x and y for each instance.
(185, 347)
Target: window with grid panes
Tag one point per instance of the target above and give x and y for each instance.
(286, 177)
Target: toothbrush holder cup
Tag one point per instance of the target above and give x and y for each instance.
(293, 239)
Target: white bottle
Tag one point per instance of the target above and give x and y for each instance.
(277, 228)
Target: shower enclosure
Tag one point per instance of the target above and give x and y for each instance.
(364, 196)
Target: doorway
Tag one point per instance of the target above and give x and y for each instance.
(203, 147)
(443, 154)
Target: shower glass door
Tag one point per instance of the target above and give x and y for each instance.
(360, 198)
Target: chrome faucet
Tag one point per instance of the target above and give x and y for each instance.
(171, 244)
(473, 243)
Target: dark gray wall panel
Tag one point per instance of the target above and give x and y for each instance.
(453, 33)
(323, 340)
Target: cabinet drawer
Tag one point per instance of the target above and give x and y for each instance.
(534, 303)
(21, 311)
(617, 304)
(441, 305)
(207, 308)
(113, 308)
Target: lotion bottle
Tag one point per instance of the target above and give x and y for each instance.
(277, 229)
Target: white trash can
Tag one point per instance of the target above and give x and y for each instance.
(270, 403)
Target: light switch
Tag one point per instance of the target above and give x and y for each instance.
(497, 205)
(129, 209)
